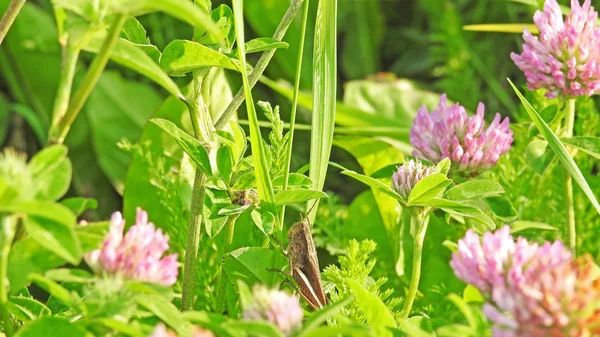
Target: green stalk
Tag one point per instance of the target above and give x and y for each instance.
(204, 132)
(261, 65)
(9, 17)
(286, 172)
(193, 241)
(419, 223)
(570, 205)
(90, 80)
(61, 103)
(7, 233)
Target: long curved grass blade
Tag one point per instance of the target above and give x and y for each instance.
(265, 187)
(324, 83)
(559, 149)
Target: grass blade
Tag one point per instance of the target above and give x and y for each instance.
(265, 187)
(559, 149)
(324, 83)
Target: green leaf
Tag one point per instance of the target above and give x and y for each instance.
(261, 167)
(27, 309)
(502, 208)
(136, 57)
(128, 329)
(92, 235)
(52, 326)
(539, 155)
(589, 145)
(223, 16)
(54, 236)
(252, 264)
(428, 188)
(374, 183)
(135, 32)
(559, 149)
(452, 205)
(43, 209)
(188, 11)
(377, 314)
(164, 310)
(521, 225)
(51, 172)
(474, 189)
(325, 91)
(54, 289)
(295, 179)
(79, 205)
(181, 57)
(256, 328)
(225, 163)
(264, 43)
(297, 196)
(264, 220)
(322, 316)
(189, 144)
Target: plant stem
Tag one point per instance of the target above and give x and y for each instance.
(61, 103)
(261, 65)
(90, 80)
(9, 17)
(288, 162)
(193, 241)
(204, 132)
(419, 222)
(7, 233)
(572, 231)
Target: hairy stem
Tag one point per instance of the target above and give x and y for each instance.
(7, 233)
(9, 17)
(204, 132)
(61, 103)
(193, 240)
(288, 152)
(419, 223)
(571, 231)
(89, 81)
(261, 65)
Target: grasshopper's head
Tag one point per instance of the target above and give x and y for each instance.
(299, 228)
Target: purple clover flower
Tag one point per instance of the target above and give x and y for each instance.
(408, 175)
(275, 306)
(565, 58)
(138, 254)
(532, 290)
(448, 132)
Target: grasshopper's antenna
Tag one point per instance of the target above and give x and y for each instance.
(310, 210)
